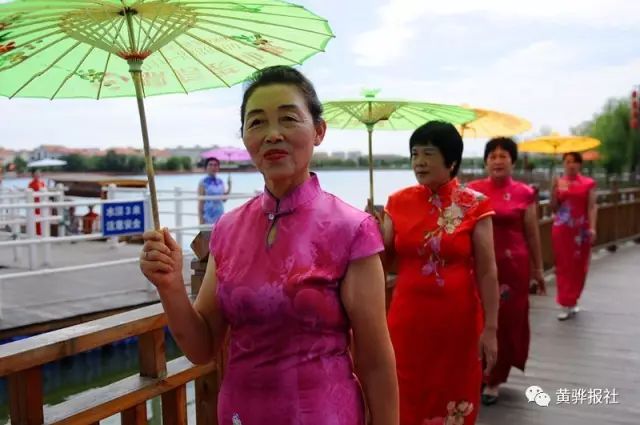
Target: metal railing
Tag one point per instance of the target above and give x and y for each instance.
(23, 212)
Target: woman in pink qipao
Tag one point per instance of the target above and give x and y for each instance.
(293, 275)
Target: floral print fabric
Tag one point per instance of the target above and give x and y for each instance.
(571, 238)
(212, 208)
(435, 317)
(289, 361)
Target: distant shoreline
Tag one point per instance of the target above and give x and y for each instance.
(196, 171)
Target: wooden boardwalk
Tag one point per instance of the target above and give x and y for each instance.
(73, 295)
(599, 350)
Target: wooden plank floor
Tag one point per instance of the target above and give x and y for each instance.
(38, 299)
(599, 349)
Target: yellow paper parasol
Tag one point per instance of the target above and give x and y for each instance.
(493, 124)
(555, 144)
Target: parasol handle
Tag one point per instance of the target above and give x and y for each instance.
(136, 74)
(370, 132)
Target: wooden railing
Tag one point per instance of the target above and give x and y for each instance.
(618, 221)
(22, 361)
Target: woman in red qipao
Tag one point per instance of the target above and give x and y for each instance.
(441, 235)
(573, 200)
(517, 245)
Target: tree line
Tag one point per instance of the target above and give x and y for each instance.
(114, 163)
(620, 149)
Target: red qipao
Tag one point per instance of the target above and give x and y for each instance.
(510, 200)
(571, 238)
(435, 317)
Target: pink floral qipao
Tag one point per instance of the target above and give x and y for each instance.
(288, 354)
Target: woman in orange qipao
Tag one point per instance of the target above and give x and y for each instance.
(444, 311)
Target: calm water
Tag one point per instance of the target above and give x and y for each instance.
(352, 186)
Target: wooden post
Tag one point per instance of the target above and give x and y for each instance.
(615, 201)
(137, 415)
(207, 388)
(153, 362)
(174, 406)
(200, 247)
(25, 397)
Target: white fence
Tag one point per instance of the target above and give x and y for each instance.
(23, 211)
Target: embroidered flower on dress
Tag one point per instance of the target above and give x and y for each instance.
(434, 244)
(434, 421)
(563, 215)
(582, 237)
(236, 419)
(456, 414)
(428, 268)
(435, 201)
(451, 218)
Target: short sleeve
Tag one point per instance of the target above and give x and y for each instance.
(529, 195)
(388, 209)
(591, 184)
(476, 185)
(367, 240)
(214, 241)
(483, 209)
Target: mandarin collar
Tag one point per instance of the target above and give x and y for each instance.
(501, 183)
(444, 191)
(300, 195)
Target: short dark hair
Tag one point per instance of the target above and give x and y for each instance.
(282, 74)
(505, 143)
(577, 156)
(208, 160)
(445, 138)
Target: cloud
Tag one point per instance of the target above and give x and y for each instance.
(391, 36)
(401, 22)
(545, 82)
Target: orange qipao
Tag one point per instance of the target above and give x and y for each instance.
(435, 318)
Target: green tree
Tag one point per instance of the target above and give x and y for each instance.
(620, 143)
(135, 164)
(76, 162)
(187, 165)
(114, 162)
(20, 164)
(174, 163)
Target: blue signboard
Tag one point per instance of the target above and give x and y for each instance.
(123, 218)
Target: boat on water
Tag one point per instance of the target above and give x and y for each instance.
(93, 185)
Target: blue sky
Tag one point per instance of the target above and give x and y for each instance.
(554, 62)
